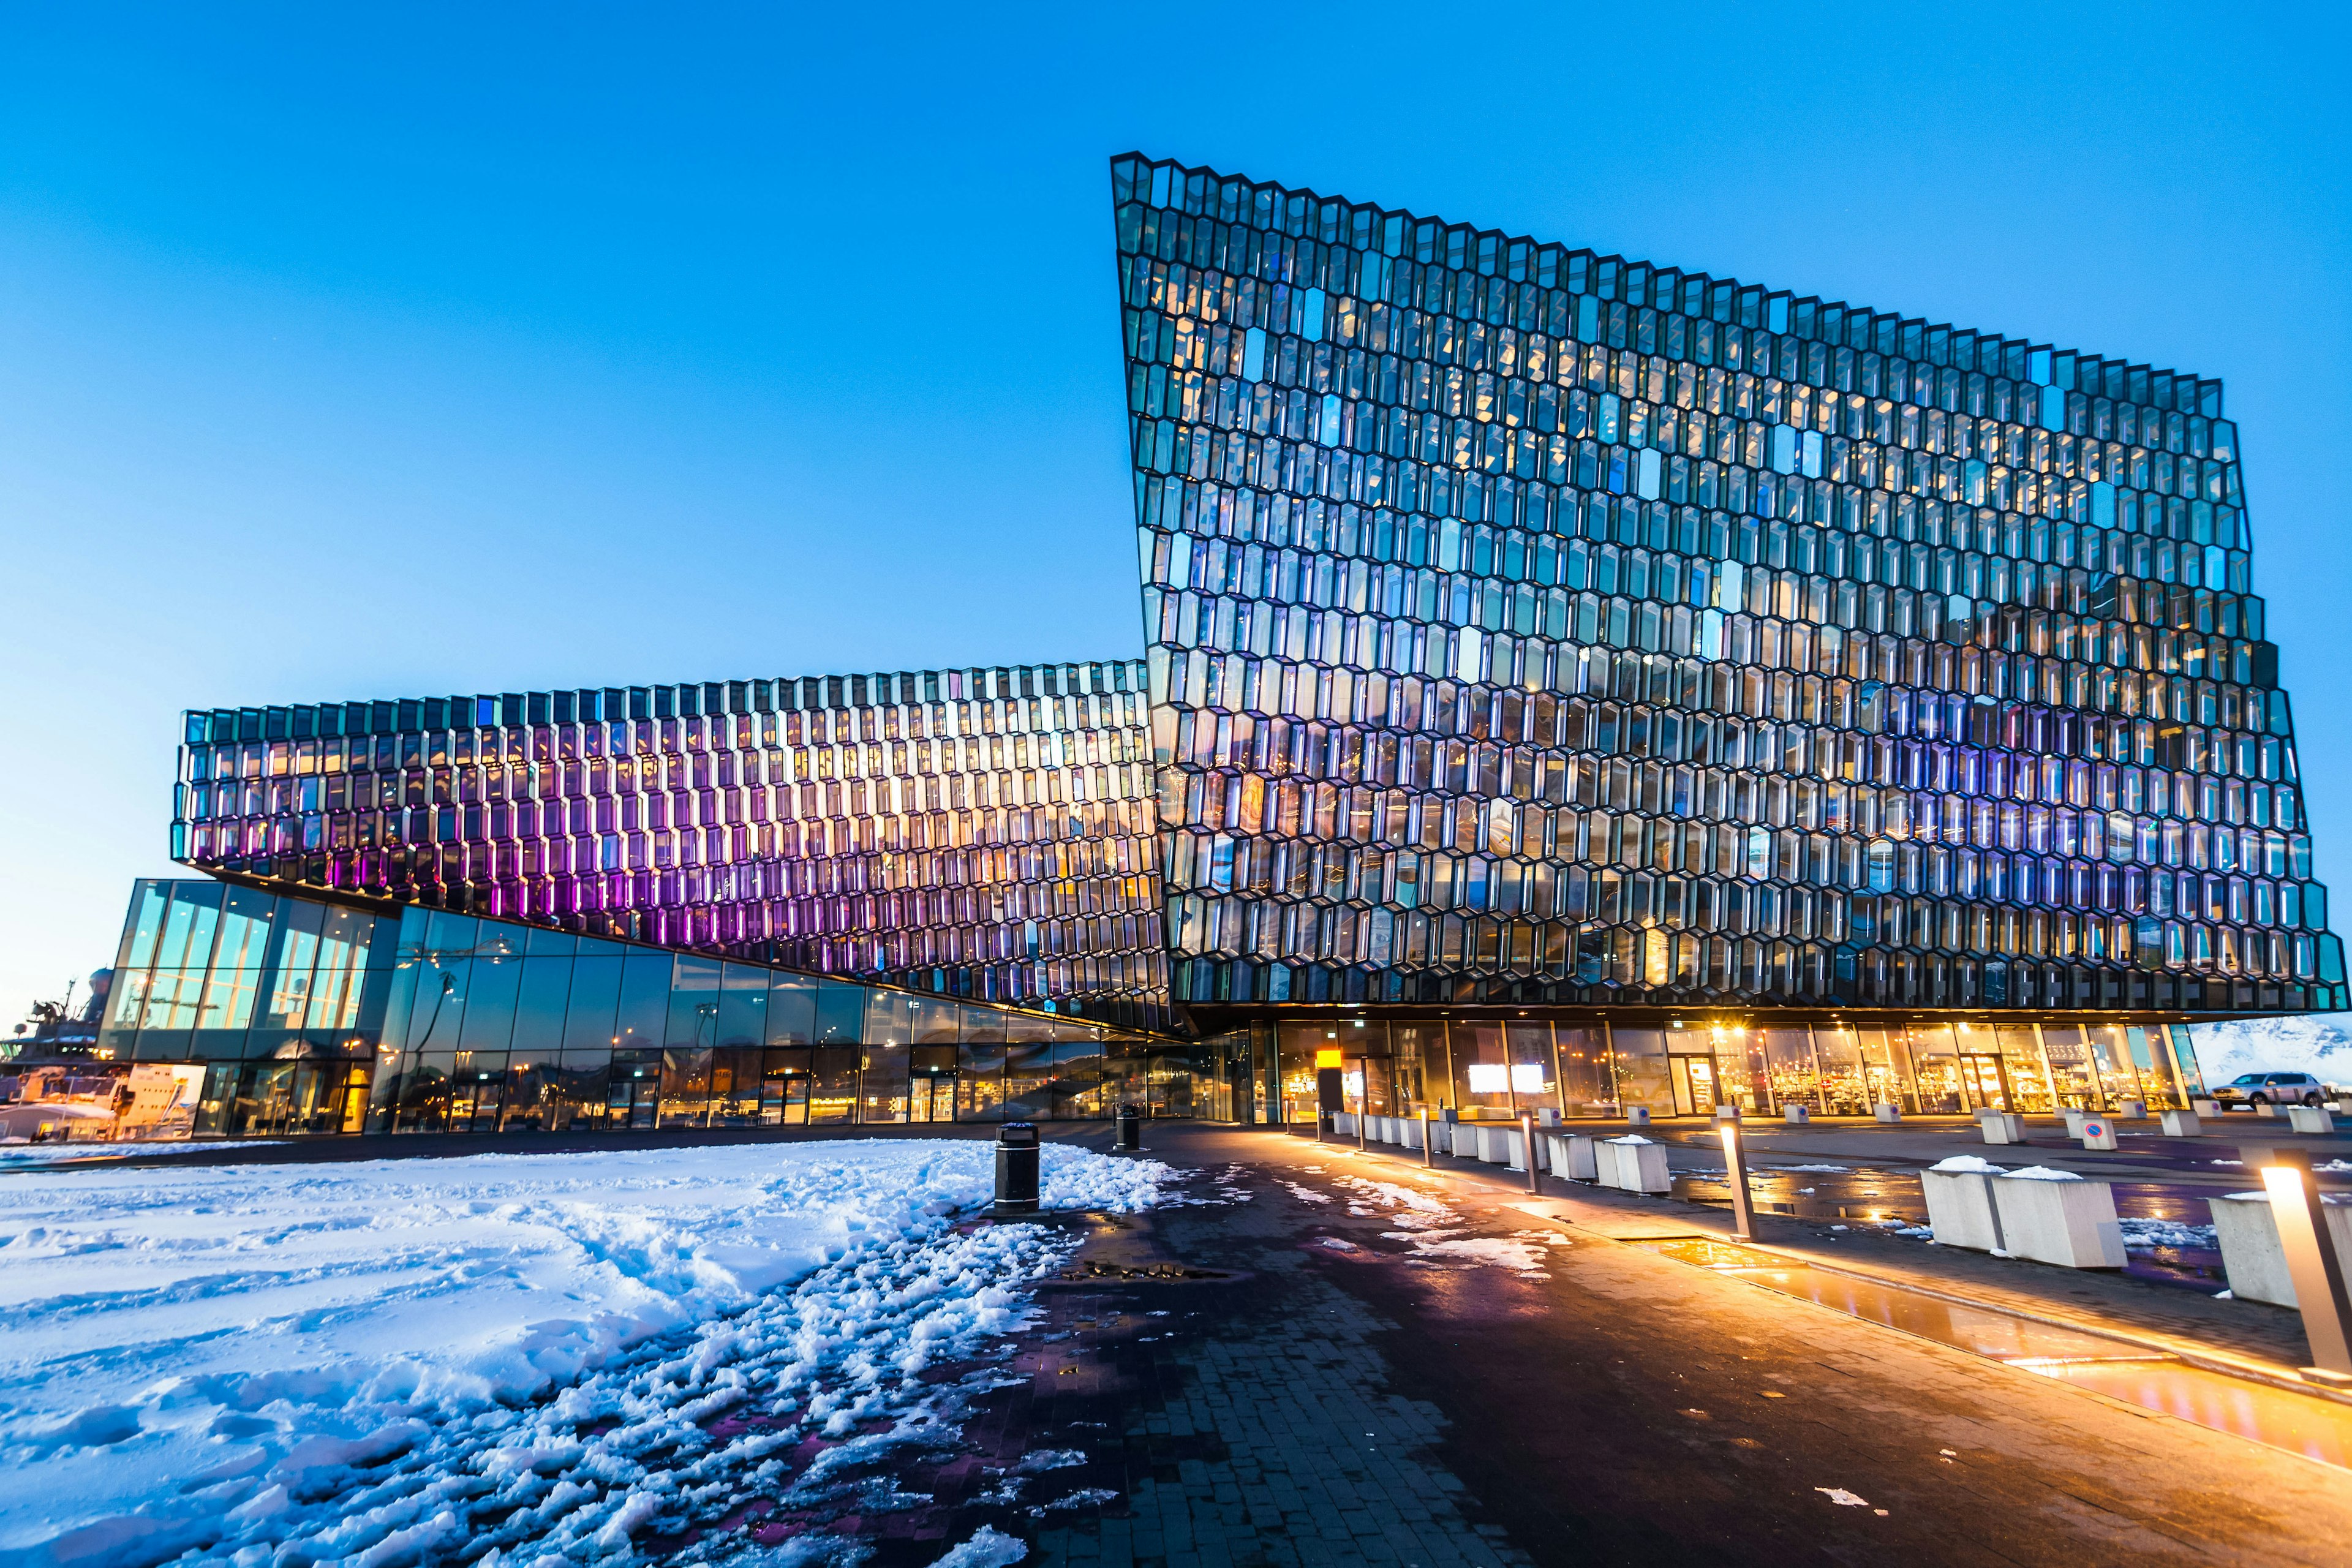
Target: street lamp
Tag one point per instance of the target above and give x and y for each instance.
(2311, 1264)
(1735, 1161)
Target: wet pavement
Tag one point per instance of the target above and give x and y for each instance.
(1328, 1356)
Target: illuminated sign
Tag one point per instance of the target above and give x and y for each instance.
(1327, 1058)
(1493, 1078)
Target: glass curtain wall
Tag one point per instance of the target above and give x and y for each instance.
(1499, 1069)
(300, 1016)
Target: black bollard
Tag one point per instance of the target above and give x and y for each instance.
(1016, 1168)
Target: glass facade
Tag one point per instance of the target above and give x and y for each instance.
(1565, 682)
(979, 832)
(1499, 1069)
(309, 1017)
(1532, 625)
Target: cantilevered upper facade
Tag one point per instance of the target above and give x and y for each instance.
(1529, 625)
(981, 833)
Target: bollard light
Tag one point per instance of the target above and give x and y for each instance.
(1528, 1144)
(2310, 1263)
(1428, 1158)
(1735, 1161)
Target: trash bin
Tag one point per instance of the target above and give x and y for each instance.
(1130, 1129)
(1016, 1168)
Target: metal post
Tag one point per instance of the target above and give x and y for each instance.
(1735, 1159)
(1363, 1100)
(2311, 1260)
(1428, 1157)
(1527, 1147)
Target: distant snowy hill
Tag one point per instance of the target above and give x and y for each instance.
(2320, 1044)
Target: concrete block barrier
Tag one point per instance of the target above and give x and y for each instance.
(2002, 1126)
(2310, 1119)
(1633, 1164)
(1494, 1144)
(2074, 1120)
(1465, 1141)
(1637, 1115)
(2206, 1108)
(1796, 1115)
(1409, 1132)
(2181, 1124)
(2133, 1111)
(1573, 1157)
(2055, 1216)
(2098, 1132)
(1959, 1202)
(2250, 1254)
(1887, 1111)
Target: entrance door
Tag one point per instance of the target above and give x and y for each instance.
(1694, 1090)
(1987, 1080)
(933, 1098)
(355, 1102)
(634, 1100)
(783, 1099)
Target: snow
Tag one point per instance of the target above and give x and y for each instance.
(2042, 1173)
(526, 1353)
(987, 1549)
(1969, 1164)
(1823, 1170)
(2320, 1045)
(2148, 1233)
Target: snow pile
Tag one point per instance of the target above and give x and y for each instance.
(2145, 1234)
(2042, 1173)
(538, 1358)
(1968, 1166)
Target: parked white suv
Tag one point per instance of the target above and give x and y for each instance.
(2271, 1088)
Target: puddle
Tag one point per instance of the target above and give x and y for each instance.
(2315, 1427)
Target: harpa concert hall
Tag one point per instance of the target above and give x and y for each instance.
(1565, 682)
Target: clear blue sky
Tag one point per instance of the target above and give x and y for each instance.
(359, 354)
